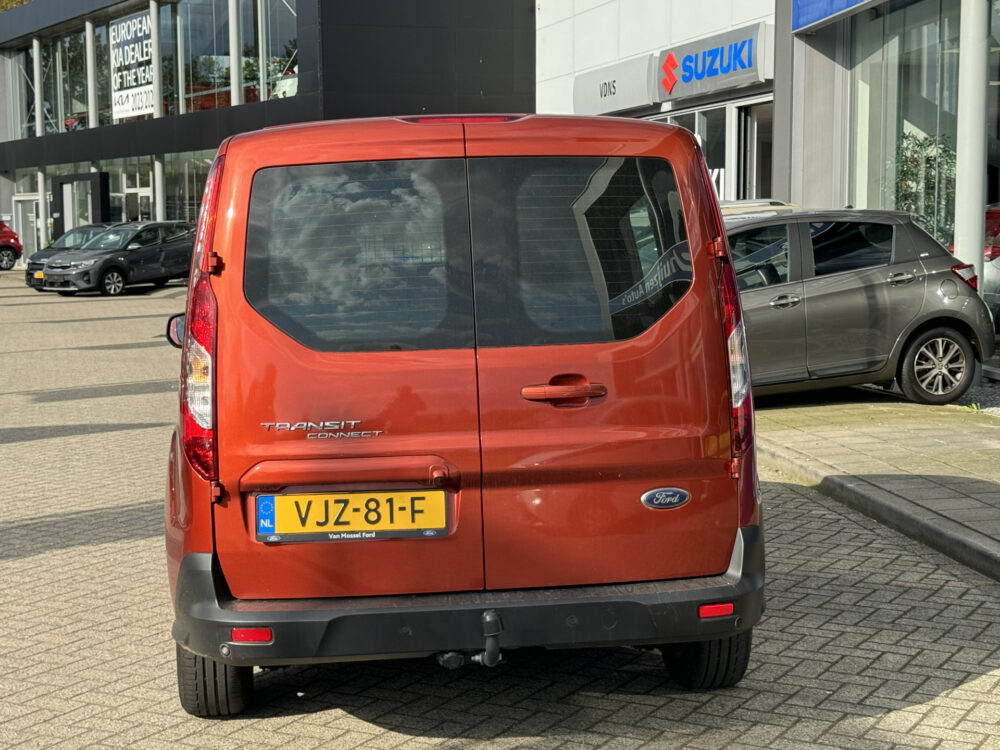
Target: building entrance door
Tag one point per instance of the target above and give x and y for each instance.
(137, 192)
(25, 223)
(756, 128)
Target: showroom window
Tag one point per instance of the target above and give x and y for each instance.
(905, 100)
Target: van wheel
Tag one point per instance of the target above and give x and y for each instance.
(706, 665)
(938, 367)
(210, 688)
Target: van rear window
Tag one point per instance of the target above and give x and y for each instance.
(366, 256)
(574, 249)
(378, 256)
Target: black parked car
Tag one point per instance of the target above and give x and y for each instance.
(71, 240)
(130, 253)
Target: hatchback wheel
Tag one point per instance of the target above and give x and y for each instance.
(112, 282)
(938, 367)
(210, 688)
(7, 259)
(706, 665)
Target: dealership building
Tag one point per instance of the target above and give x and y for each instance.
(823, 103)
(113, 110)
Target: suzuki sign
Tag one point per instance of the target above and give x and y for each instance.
(740, 57)
(734, 58)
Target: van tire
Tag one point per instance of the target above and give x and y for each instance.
(705, 665)
(211, 688)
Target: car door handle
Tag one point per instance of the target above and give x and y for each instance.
(784, 300)
(575, 393)
(896, 279)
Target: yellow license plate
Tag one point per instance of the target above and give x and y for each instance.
(39, 275)
(351, 516)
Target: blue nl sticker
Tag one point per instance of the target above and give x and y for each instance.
(265, 514)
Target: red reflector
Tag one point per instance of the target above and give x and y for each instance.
(462, 120)
(715, 610)
(251, 635)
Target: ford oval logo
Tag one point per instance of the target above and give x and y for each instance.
(665, 498)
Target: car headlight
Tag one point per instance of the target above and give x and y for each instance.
(82, 263)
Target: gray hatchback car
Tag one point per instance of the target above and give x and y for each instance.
(834, 298)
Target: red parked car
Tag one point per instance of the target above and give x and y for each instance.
(10, 247)
(455, 386)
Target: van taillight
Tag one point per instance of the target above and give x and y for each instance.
(198, 355)
(741, 400)
(460, 119)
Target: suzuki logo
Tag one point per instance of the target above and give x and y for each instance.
(668, 67)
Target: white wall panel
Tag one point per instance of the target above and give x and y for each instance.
(595, 37)
(643, 26)
(548, 12)
(575, 36)
(555, 97)
(582, 6)
(748, 11)
(693, 20)
(554, 51)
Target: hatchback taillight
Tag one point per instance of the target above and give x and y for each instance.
(967, 273)
(198, 355)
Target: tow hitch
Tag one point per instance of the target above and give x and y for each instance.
(490, 656)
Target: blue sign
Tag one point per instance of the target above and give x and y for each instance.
(807, 12)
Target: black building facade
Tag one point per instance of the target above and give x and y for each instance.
(143, 92)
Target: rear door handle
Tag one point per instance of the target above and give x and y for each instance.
(784, 300)
(896, 279)
(569, 394)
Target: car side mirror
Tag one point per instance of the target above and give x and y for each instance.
(133, 246)
(175, 330)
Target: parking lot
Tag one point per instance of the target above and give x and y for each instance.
(869, 639)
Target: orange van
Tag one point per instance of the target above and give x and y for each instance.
(455, 386)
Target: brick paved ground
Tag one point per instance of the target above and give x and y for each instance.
(870, 639)
(933, 472)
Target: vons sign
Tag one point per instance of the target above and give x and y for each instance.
(720, 62)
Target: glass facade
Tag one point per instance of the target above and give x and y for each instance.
(195, 64)
(736, 141)
(904, 111)
(195, 70)
(993, 108)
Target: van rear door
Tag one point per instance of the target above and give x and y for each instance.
(346, 391)
(603, 388)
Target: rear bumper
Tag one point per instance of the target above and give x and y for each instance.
(367, 628)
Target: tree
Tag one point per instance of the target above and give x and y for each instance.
(925, 182)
